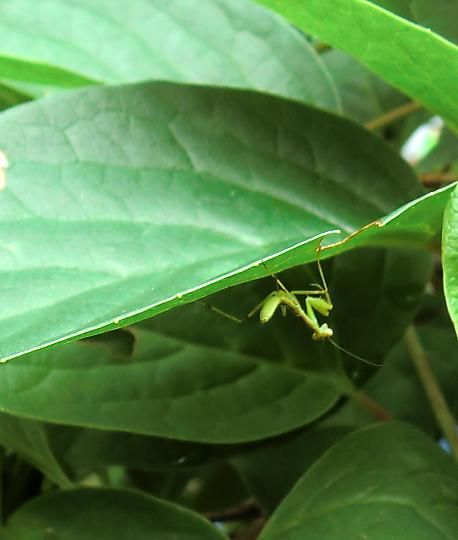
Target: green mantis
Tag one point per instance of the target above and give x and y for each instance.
(315, 300)
(318, 300)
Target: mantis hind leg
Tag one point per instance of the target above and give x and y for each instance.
(223, 313)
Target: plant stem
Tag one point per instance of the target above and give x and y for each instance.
(440, 408)
(443, 178)
(394, 114)
(371, 406)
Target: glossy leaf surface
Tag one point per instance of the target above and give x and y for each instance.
(408, 56)
(123, 202)
(385, 481)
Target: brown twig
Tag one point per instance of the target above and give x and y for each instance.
(394, 114)
(438, 178)
(371, 406)
(244, 511)
(432, 389)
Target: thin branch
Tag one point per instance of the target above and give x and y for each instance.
(394, 114)
(432, 389)
(244, 511)
(438, 178)
(371, 406)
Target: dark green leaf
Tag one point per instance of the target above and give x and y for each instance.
(272, 467)
(211, 488)
(385, 481)
(410, 57)
(101, 514)
(376, 293)
(169, 388)
(84, 451)
(29, 439)
(398, 390)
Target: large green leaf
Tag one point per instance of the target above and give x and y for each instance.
(440, 16)
(169, 388)
(410, 57)
(450, 256)
(123, 202)
(385, 481)
(222, 42)
(102, 514)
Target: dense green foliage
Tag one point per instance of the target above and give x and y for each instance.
(158, 161)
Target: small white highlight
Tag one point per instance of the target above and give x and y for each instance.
(3, 166)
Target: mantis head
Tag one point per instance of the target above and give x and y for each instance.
(323, 332)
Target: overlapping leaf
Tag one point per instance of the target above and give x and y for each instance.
(450, 256)
(410, 57)
(385, 481)
(103, 514)
(121, 201)
(169, 388)
(231, 43)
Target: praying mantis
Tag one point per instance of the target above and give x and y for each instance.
(316, 300)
